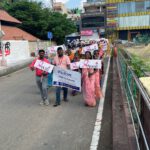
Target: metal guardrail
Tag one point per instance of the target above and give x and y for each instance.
(137, 98)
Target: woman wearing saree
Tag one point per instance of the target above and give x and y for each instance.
(98, 91)
(88, 83)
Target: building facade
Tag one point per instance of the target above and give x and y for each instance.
(129, 17)
(94, 16)
(92, 1)
(12, 32)
(60, 7)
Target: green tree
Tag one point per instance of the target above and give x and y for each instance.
(38, 20)
(3, 3)
(76, 11)
(60, 26)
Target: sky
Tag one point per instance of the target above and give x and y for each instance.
(69, 3)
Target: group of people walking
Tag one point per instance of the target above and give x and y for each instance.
(90, 78)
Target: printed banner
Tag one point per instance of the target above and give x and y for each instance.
(67, 78)
(53, 49)
(74, 65)
(86, 33)
(90, 48)
(43, 66)
(95, 64)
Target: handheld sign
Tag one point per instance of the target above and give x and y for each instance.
(67, 78)
(74, 65)
(90, 48)
(43, 66)
(95, 64)
(53, 49)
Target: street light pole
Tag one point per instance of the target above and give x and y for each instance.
(3, 60)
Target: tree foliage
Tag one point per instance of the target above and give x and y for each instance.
(75, 11)
(38, 20)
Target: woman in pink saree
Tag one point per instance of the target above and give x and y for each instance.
(98, 91)
(88, 83)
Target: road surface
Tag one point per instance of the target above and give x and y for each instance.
(25, 125)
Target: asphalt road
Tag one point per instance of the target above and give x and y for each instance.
(25, 125)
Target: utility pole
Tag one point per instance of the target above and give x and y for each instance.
(3, 60)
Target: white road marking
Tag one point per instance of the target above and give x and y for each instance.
(98, 123)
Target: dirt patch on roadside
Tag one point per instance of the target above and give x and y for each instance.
(141, 51)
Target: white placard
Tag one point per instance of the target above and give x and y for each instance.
(95, 64)
(104, 44)
(43, 66)
(90, 48)
(74, 65)
(53, 49)
(67, 78)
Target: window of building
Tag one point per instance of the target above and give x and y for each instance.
(147, 5)
(139, 6)
(93, 22)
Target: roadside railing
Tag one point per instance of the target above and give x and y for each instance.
(138, 102)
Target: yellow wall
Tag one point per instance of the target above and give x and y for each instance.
(134, 14)
(134, 28)
(114, 1)
(126, 15)
(121, 1)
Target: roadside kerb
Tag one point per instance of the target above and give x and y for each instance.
(15, 67)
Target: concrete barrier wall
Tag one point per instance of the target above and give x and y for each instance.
(18, 50)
